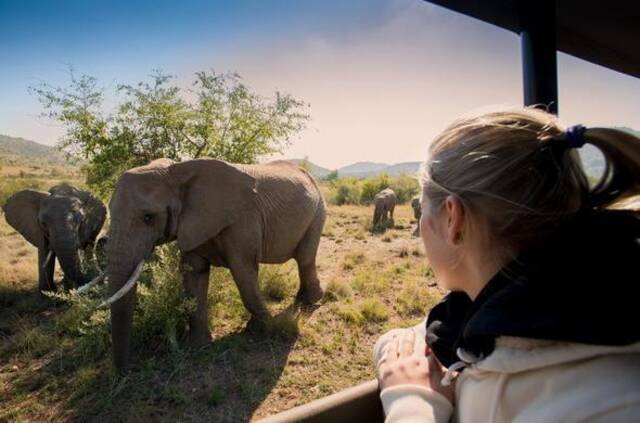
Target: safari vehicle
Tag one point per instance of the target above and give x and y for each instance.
(604, 35)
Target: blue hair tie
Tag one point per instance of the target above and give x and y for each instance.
(574, 136)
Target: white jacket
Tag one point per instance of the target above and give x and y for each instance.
(525, 380)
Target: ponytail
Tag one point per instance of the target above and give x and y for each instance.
(621, 177)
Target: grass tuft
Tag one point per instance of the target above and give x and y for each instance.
(338, 289)
(374, 311)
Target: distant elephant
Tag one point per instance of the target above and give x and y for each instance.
(417, 213)
(59, 223)
(384, 204)
(221, 214)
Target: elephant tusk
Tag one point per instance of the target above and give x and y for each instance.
(93, 282)
(47, 259)
(126, 287)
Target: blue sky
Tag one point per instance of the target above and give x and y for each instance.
(382, 76)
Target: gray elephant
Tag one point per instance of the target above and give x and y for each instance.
(384, 204)
(417, 213)
(221, 214)
(59, 223)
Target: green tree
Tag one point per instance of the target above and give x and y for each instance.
(219, 117)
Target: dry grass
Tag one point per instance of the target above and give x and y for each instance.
(372, 283)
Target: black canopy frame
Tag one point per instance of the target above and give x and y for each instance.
(604, 33)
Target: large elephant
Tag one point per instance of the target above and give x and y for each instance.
(221, 214)
(384, 204)
(417, 213)
(59, 223)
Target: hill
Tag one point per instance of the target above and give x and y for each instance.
(316, 171)
(361, 168)
(15, 150)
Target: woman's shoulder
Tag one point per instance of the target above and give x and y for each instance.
(513, 354)
(553, 381)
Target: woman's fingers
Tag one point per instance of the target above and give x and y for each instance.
(406, 344)
(392, 351)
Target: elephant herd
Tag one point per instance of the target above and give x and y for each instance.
(221, 214)
(383, 205)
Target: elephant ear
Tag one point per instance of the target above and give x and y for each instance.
(95, 214)
(214, 194)
(21, 212)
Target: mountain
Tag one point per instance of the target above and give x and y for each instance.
(17, 149)
(317, 171)
(370, 169)
(407, 168)
(359, 169)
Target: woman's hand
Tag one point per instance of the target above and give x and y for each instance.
(408, 361)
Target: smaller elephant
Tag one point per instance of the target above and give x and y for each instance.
(59, 223)
(417, 213)
(385, 203)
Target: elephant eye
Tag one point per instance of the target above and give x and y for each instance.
(148, 218)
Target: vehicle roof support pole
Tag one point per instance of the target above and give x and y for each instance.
(539, 63)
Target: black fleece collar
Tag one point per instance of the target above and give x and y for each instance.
(580, 285)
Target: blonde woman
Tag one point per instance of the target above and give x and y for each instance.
(541, 322)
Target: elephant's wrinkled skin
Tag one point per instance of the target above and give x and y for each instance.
(384, 204)
(417, 213)
(59, 223)
(221, 214)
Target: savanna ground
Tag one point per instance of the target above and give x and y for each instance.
(55, 362)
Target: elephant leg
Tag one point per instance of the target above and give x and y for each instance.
(195, 279)
(392, 223)
(310, 290)
(245, 274)
(45, 270)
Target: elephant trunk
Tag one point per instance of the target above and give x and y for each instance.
(120, 267)
(67, 253)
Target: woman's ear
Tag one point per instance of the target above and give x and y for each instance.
(455, 220)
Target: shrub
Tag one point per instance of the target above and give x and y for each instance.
(344, 191)
(349, 190)
(372, 186)
(160, 318)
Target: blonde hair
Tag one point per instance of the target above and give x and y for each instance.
(515, 170)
